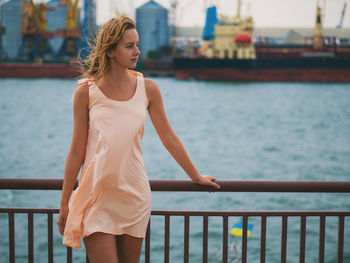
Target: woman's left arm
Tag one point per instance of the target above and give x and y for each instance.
(168, 137)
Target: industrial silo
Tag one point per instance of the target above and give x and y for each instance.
(152, 26)
(89, 18)
(11, 20)
(56, 19)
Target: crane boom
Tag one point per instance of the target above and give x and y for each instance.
(71, 32)
(340, 25)
(71, 29)
(34, 32)
(31, 14)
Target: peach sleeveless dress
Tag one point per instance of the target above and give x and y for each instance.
(114, 194)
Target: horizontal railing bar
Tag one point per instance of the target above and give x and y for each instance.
(29, 210)
(202, 213)
(32, 184)
(183, 186)
(253, 213)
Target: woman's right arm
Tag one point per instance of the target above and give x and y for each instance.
(76, 151)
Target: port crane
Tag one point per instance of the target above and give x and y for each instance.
(318, 31)
(34, 31)
(340, 25)
(2, 50)
(175, 11)
(3, 54)
(119, 7)
(71, 33)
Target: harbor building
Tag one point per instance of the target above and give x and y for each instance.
(152, 26)
(11, 20)
(56, 19)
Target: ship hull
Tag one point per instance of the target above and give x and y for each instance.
(279, 70)
(39, 70)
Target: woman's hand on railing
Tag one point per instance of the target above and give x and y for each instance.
(62, 218)
(206, 180)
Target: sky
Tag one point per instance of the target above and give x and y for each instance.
(266, 13)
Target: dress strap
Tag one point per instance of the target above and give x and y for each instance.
(83, 81)
(89, 83)
(142, 89)
(136, 73)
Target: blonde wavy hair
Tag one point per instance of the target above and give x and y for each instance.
(97, 63)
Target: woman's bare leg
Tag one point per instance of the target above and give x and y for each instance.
(129, 248)
(101, 248)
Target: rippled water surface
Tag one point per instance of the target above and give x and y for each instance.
(233, 131)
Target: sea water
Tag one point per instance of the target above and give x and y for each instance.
(233, 131)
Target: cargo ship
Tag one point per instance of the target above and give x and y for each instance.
(39, 70)
(303, 69)
(229, 54)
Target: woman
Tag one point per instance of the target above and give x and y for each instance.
(111, 207)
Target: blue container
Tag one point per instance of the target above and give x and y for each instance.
(210, 22)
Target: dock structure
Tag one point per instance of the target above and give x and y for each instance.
(158, 73)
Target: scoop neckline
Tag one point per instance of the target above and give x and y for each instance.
(137, 85)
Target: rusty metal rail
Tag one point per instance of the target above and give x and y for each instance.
(183, 186)
(226, 186)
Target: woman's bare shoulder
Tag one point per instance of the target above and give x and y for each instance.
(152, 89)
(151, 85)
(81, 93)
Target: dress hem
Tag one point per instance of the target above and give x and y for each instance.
(73, 243)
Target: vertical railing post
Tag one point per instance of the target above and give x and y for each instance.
(205, 239)
(263, 240)
(225, 239)
(244, 239)
(30, 238)
(69, 255)
(302, 239)
(148, 243)
(321, 239)
(50, 237)
(186, 238)
(11, 237)
(284, 239)
(340, 239)
(166, 238)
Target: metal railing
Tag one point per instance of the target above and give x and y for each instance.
(226, 186)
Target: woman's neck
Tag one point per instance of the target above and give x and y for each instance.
(116, 75)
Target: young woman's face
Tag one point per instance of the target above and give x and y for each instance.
(126, 52)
